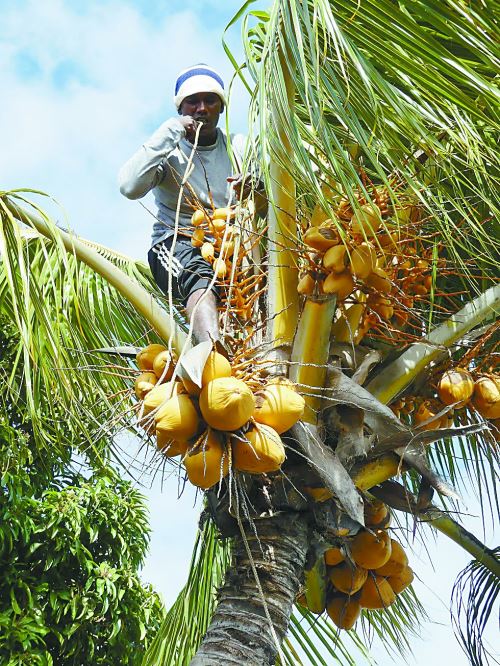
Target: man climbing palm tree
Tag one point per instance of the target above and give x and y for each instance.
(160, 166)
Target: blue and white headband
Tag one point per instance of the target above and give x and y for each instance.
(198, 79)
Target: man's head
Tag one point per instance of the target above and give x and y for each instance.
(199, 93)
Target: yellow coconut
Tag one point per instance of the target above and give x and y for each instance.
(371, 551)
(379, 280)
(215, 367)
(159, 395)
(346, 578)
(226, 403)
(146, 356)
(164, 365)
(306, 285)
(224, 214)
(363, 259)
(335, 259)
(170, 447)
(278, 406)
(382, 306)
(341, 284)
(344, 611)
(401, 581)
(375, 512)
(486, 397)
(366, 220)
(198, 218)
(456, 386)
(262, 453)
(376, 593)
(333, 556)
(220, 268)
(321, 238)
(198, 237)
(208, 463)
(178, 419)
(397, 562)
(218, 226)
(144, 383)
(318, 494)
(428, 410)
(207, 252)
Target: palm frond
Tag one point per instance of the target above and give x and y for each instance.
(474, 597)
(187, 620)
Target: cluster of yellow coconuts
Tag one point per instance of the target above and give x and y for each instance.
(215, 238)
(218, 426)
(456, 387)
(367, 572)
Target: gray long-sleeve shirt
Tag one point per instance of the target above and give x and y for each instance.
(159, 165)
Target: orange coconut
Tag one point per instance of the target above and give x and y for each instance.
(278, 406)
(207, 251)
(344, 611)
(198, 218)
(379, 280)
(216, 366)
(397, 562)
(226, 403)
(341, 284)
(220, 268)
(333, 556)
(262, 453)
(146, 356)
(159, 395)
(376, 593)
(366, 220)
(208, 463)
(363, 259)
(346, 578)
(427, 410)
(178, 419)
(371, 551)
(170, 447)
(321, 238)
(455, 386)
(144, 383)
(224, 214)
(375, 512)
(334, 259)
(486, 397)
(401, 581)
(306, 285)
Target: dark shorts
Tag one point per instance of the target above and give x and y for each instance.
(189, 270)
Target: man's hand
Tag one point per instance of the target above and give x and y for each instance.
(190, 125)
(259, 195)
(237, 181)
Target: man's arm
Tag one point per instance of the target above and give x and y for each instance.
(145, 169)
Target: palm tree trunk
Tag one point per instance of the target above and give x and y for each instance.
(240, 631)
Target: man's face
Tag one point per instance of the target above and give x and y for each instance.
(203, 107)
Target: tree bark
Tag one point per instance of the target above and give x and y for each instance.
(240, 632)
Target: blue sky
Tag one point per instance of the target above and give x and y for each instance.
(83, 84)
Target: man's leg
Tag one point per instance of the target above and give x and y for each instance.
(201, 308)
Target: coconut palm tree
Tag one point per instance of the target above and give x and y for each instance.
(371, 286)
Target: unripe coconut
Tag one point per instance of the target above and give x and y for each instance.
(344, 611)
(144, 383)
(160, 394)
(207, 252)
(348, 579)
(371, 551)
(375, 512)
(178, 418)
(209, 463)
(306, 285)
(397, 562)
(363, 260)
(486, 397)
(376, 593)
(333, 556)
(321, 238)
(170, 447)
(146, 356)
(198, 218)
(341, 284)
(218, 225)
(164, 365)
(379, 280)
(198, 237)
(401, 581)
(366, 220)
(216, 366)
(226, 403)
(264, 452)
(456, 386)
(335, 259)
(278, 406)
(224, 214)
